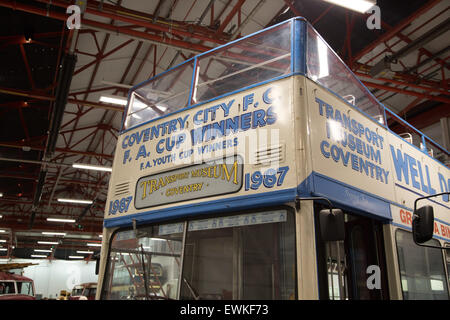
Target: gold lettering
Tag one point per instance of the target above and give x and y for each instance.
(153, 186)
(144, 192)
(217, 175)
(228, 175)
(161, 183)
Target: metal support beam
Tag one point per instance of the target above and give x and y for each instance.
(407, 92)
(395, 30)
(230, 16)
(110, 29)
(423, 39)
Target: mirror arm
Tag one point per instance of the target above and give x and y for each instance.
(315, 198)
(415, 216)
(426, 197)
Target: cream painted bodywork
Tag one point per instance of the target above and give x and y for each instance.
(299, 129)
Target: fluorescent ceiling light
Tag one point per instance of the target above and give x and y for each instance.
(114, 100)
(2, 241)
(2, 230)
(47, 242)
(39, 256)
(3, 249)
(75, 201)
(122, 101)
(55, 233)
(85, 252)
(356, 5)
(91, 167)
(1, 194)
(61, 220)
(76, 257)
(1, 216)
(94, 244)
(100, 236)
(42, 250)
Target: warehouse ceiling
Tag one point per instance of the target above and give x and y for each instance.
(51, 79)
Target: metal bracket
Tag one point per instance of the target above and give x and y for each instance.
(297, 202)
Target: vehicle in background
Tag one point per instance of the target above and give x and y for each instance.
(64, 295)
(16, 287)
(84, 291)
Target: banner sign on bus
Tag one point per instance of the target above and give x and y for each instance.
(208, 179)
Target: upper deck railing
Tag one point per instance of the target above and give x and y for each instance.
(288, 48)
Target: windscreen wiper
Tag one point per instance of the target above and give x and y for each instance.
(145, 274)
(191, 289)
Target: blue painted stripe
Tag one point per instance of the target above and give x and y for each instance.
(307, 188)
(410, 229)
(354, 198)
(221, 205)
(420, 195)
(293, 48)
(317, 184)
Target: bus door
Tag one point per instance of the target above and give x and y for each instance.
(353, 268)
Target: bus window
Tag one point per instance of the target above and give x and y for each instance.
(247, 256)
(160, 248)
(241, 257)
(7, 287)
(259, 58)
(164, 94)
(25, 288)
(421, 269)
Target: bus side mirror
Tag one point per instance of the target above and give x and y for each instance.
(332, 224)
(423, 224)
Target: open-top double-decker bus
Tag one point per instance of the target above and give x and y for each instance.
(226, 166)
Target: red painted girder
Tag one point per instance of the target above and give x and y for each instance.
(115, 30)
(407, 92)
(402, 83)
(395, 30)
(63, 150)
(290, 4)
(146, 20)
(426, 118)
(102, 56)
(27, 66)
(42, 96)
(44, 225)
(230, 16)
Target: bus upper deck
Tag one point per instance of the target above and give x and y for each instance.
(215, 151)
